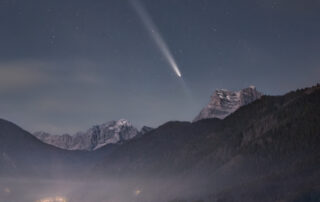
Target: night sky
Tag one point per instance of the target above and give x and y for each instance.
(66, 65)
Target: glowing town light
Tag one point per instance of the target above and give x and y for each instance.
(53, 199)
(137, 192)
(7, 190)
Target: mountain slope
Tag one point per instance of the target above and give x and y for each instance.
(23, 154)
(272, 139)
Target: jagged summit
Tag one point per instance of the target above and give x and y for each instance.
(94, 138)
(223, 102)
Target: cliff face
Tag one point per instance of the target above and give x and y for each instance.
(224, 102)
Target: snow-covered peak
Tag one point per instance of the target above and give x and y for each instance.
(223, 102)
(97, 136)
(123, 122)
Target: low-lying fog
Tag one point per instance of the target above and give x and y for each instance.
(129, 190)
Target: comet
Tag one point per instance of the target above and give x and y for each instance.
(155, 35)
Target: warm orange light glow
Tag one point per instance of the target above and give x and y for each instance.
(53, 199)
(7, 190)
(137, 192)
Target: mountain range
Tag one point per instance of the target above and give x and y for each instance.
(94, 138)
(267, 150)
(223, 103)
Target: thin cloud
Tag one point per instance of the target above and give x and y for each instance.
(21, 75)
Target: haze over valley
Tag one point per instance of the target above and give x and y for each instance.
(264, 151)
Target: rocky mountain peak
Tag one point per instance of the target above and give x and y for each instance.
(94, 138)
(223, 102)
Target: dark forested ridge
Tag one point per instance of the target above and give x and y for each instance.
(272, 127)
(271, 144)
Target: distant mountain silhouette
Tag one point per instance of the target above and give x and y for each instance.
(22, 154)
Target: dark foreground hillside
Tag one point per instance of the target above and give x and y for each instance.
(266, 151)
(23, 155)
